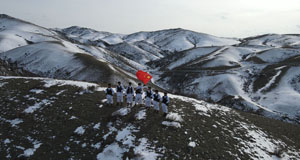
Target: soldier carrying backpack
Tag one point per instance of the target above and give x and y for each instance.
(156, 100)
(148, 97)
(119, 90)
(138, 94)
(164, 103)
(109, 94)
(129, 94)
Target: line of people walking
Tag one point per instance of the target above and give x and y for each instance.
(139, 94)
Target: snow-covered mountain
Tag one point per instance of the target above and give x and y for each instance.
(48, 53)
(258, 74)
(169, 39)
(262, 78)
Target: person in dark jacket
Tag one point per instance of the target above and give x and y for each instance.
(129, 94)
(165, 103)
(119, 90)
(148, 97)
(138, 94)
(156, 100)
(109, 94)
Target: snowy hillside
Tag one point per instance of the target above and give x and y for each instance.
(49, 54)
(261, 79)
(257, 74)
(16, 33)
(275, 40)
(72, 121)
(86, 35)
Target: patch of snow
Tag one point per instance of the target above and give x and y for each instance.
(3, 84)
(111, 152)
(13, 122)
(67, 148)
(83, 145)
(171, 124)
(141, 115)
(54, 82)
(97, 145)
(60, 92)
(30, 151)
(112, 68)
(125, 135)
(146, 152)
(200, 107)
(36, 106)
(79, 130)
(192, 144)
(111, 130)
(73, 117)
(37, 91)
(97, 126)
(20, 147)
(122, 112)
(6, 141)
(174, 117)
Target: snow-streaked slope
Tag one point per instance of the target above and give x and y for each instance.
(192, 55)
(247, 75)
(47, 53)
(179, 39)
(78, 111)
(285, 97)
(86, 35)
(274, 40)
(278, 54)
(61, 60)
(166, 40)
(15, 33)
(133, 52)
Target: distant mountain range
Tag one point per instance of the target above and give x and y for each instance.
(258, 74)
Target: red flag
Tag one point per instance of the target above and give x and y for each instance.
(143, 76)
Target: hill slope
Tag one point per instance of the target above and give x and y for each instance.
(69, 119)
(258, 74)
(48, 53)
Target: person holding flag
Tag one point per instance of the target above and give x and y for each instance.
(143, 76)
(119, 90)
(129, 94)
(138, 94)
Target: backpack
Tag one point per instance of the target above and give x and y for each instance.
(156, 98)
(129, 90)
(148, 94)
(109, 91)
(138, 91)
(119, 89)
(165, 100)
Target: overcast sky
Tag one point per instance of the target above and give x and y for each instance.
(228, 18)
